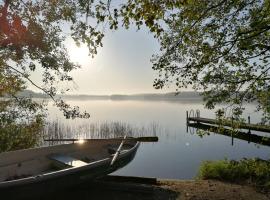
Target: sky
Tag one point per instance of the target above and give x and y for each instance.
(122, 65)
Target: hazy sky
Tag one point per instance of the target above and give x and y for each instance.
(122, 65)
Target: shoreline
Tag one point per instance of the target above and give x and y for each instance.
(141, 188)
(212, 190)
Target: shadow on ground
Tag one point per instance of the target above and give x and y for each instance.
(126, 192)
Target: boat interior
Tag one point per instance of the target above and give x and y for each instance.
(37, 161)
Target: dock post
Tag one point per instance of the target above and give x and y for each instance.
(198, 113)
(187, 117)
(249, 132)
(249, 123)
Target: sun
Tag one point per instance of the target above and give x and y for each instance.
(77, 54)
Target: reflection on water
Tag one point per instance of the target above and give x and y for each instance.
(178, 154)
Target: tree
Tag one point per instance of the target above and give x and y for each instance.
(31, 38)
(221, 48)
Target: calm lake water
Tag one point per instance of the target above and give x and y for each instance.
(178, 153)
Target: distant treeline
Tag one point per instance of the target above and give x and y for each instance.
(147, 96)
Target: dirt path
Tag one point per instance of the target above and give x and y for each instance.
(211, 190)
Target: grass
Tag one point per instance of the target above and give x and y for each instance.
(252, 171)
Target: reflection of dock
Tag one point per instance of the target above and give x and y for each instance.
(230, 123)
(233, 134)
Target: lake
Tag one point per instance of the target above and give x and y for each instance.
(178, 153)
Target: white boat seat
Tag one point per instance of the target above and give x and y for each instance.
(67, 161)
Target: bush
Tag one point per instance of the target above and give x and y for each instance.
(21, 122)
(254, 171)
(15, 136)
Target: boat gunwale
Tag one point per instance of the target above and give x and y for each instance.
(58, 145)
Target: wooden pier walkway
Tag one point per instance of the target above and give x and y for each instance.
(230, 123)
(257, 139)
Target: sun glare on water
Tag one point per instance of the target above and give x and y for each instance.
(81, 141)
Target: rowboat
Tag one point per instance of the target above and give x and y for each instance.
(47, 169)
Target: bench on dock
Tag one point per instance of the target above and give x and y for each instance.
(64, 161)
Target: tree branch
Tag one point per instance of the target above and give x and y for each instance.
(26, 77)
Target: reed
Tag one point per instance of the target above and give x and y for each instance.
(57, 129)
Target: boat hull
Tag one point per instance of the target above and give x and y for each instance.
(48, 183)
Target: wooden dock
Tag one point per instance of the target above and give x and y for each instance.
(257, 139)
(230, 123)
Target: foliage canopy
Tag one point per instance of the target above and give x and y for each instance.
(221, 48)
